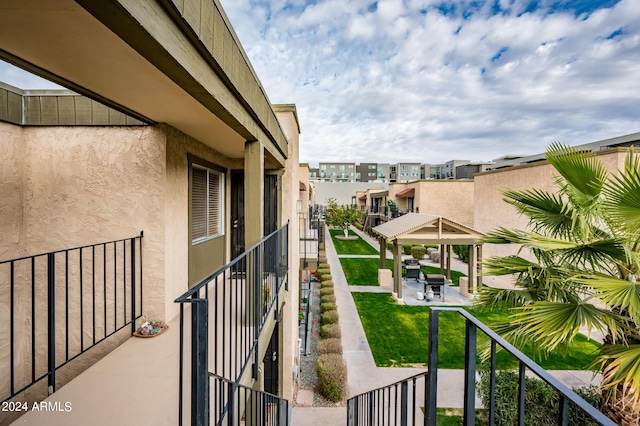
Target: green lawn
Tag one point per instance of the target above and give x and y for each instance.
(398, 334)
(365, 271)
(358, 246)
(362, 271)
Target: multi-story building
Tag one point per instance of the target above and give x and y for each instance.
(366, 172)
(337, 172)
(466, 171)
(172, 178)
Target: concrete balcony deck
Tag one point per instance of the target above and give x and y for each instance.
(136, 384)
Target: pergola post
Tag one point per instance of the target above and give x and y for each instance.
(471, 266)
(479, 269)
(442, 258)
(397, 269)
(383, 252)
(448, 261)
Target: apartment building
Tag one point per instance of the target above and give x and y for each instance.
(337, 172)
(165, 176)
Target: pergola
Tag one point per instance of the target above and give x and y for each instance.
(415, 228)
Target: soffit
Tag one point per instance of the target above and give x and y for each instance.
(63, 42)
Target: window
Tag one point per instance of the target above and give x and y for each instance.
(207, 187)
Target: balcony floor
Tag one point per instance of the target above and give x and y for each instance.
(136, 384)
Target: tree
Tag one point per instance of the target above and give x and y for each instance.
(585, 242)
(341, 216)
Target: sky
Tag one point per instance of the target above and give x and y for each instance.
(434, 80)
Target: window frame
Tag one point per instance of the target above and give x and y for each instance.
(221, 175)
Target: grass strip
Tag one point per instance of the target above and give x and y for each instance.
(398, 335)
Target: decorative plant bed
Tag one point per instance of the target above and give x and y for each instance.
(349, 238)
(151, 329)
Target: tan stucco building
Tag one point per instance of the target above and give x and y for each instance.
(169, 107)
(450, 198)
(491, 211)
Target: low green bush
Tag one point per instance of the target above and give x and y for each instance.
(332, 376)
(330, 331)
(418, 252)
(541, 400)
(323, 272)
(329, 298)
(406, 248)
(462, 251)
(329, 317)
(326, 291)
(326, 283)
(329, 346)
(324, 307)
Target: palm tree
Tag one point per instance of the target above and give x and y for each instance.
(577, 267)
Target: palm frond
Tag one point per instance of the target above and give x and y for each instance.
(582, 171)
(555, 325)
(623, 195)
(620, 365)
(615, 292)
(504, 298)
(547, 212)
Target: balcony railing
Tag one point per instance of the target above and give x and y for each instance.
(233, 404)
(63, 303)
(403, 403)
(220, 333)
(400, 403)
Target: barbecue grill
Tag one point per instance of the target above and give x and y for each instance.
(412, 268)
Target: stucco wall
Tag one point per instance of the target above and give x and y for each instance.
(177, 212)
(491, 211)
(290, 193)
(64, 187)
(452, 199)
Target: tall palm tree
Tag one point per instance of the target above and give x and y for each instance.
(578, 266)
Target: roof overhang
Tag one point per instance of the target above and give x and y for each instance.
(407, 193)
(147, 59)
(415, 228)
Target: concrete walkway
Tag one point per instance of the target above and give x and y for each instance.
(364, 375)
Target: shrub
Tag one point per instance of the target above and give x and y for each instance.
(323, 272)
(418, 252)
(326, 283)
(330, 331)
(406, 249)
(324, 307)
(329, 317)
(541, 400)
(435, 256)
(462, 251)
(329, 346)
(329, 298)
(326, 291)
(390, 246)
(332, 376)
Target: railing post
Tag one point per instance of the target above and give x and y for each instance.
(232, 409)
(492, 384)
(563, 414)
(133, 285)
(470, 374)
(522, 383)
(432, 372)
(371, 408)
(199, 363)
(404, 388)
(51, 317)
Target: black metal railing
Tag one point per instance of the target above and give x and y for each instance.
(63, 303)
(220, 333)
(400, 403)
(232, 404)
(367, 405)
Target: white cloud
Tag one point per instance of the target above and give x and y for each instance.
(392, 83)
